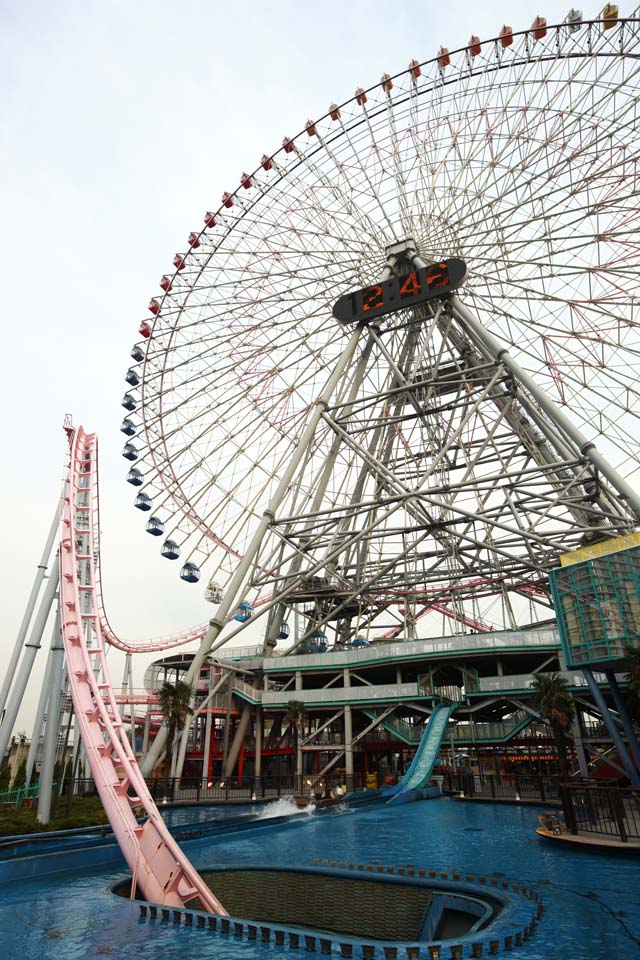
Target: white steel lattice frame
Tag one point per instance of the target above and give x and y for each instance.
(522, 160)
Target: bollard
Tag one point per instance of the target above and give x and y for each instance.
(279, 935)
(238, 928)
(346, 949)
(165, 915)
(252, 931)
(177, 916)
(309, 943)
(325, 946)
(213, 923)
(265, 934)
(143, 910)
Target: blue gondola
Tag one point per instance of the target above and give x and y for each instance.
(129, 402)
(284, 631)
(143, 501)
(134, 477)
(128, 426)
(244, 612)
(170, 550)
(317, 643)
(155, 526)
(137, 353)
(132, 377)
(360, 642)
(129, 452)
(190, 572)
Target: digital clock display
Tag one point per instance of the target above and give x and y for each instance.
(426, 283)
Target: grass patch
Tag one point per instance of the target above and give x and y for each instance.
(85, 812)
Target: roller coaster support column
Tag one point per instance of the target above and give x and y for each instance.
(31, 649)
(554, 413)
(348, 738)
(610, 724)
(257, 786)
(28, 613)
(43, 700)
(216, 624)
(52, 729)
(627, 723)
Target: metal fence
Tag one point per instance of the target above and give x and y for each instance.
(517, 787)
(607, 811)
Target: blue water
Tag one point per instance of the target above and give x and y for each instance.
(592, 901)
(178, 816)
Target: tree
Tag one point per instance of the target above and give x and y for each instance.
(632, 696)
(296, 714)
(175, 703)
(557, 708)
(21, 776)
(5, 777)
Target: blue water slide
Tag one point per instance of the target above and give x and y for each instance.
(421, 766)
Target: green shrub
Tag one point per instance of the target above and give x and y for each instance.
(85, 812)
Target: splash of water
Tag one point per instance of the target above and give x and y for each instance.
(285, 807)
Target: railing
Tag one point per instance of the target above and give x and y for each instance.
(20, 797)
(605, 811)
(220, 789)
(517, 787)
(418, 648)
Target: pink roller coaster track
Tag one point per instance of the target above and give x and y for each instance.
(159, 867)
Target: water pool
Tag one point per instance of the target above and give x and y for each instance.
(592, 901)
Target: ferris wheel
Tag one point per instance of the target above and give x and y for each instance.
(436, 448)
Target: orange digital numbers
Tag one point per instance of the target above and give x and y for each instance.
(372, 298)
(411, 286)
(437, 275)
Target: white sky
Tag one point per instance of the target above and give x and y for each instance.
(121, 123)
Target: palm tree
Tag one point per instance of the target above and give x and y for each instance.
(175, 704)
(632, 654)
(557, 708)
(296, 714)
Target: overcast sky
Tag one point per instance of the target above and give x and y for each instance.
(122, 122)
